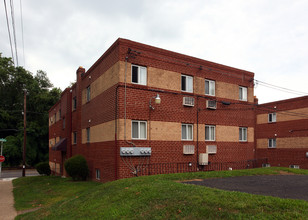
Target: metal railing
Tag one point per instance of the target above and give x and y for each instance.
(166, 168)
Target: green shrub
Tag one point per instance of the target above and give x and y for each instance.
(43, 168)
(77, 167)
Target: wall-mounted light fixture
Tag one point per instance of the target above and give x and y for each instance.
(157, 101)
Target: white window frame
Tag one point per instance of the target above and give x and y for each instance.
(272, 117)
(139, 130)
(189, 83)
(272, 142)
(88, 134)
(186, 127)
(211, 87)
(141, 75)
(88, 91)
(212, 131)
(97, 174)
(243, 93)
(243, 133)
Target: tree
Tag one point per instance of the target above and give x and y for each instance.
(41, 95)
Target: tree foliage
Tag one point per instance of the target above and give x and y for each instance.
(40, 97)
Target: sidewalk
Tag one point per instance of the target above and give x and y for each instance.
(8, 211)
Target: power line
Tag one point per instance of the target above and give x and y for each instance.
(258, 82)
(22, 34)
(8, 28)
(14, 32)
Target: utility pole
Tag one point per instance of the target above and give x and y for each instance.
(25, 134)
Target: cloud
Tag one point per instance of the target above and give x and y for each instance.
(268, 38)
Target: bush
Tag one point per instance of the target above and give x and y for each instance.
(77, 167)
(43, 168)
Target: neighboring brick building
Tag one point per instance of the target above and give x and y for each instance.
(282, 132)
(206, 114)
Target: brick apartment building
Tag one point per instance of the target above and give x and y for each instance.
(282, 132)
(140, 106)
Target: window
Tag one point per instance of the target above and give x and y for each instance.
(272, 143)
(88, 135)
(187, 83)
(59, 113)
(271, 117)
(209, 132)
(243, 134)
(74, 103)
(187, 132)
(55, 117)
(139, 130)
(243, 93)
(139, 75)
(63, 123)
(74, 137)
(98, 174)
(88, 93)
(210, 87)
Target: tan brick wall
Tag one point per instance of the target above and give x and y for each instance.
(293, 142)
(104, 82)
(288, 115)
(231, 91)
(100, 133)
(167, 131)
(231, 134)
(164, 79)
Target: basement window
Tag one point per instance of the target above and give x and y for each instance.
(139, 75)
(271, 117)
(272, 143)
(186, 83)
(98, 174)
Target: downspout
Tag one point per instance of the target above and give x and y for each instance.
(197, 131)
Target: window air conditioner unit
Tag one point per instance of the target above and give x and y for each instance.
(211, 104)
(211, 149)
(188, 101)
(203, 159)
(294, 166)
(266, 165)
(188, 149)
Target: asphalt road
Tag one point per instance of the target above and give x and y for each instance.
(17, 173)
(283, 186)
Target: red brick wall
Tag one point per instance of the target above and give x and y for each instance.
(284, 129)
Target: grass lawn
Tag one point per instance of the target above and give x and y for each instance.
(151, 197)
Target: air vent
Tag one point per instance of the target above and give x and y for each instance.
(211, 149)
(188, 149)
(203, 159)
(211, 104)
(294, 166)
(188, 101)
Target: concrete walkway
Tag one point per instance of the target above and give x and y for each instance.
(7, 209)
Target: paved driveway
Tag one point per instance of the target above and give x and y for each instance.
(283, 186)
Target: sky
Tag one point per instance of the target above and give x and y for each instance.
(267, 37)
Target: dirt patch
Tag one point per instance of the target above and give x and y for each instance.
(27, 210)
(286, 173)
(193, 180)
